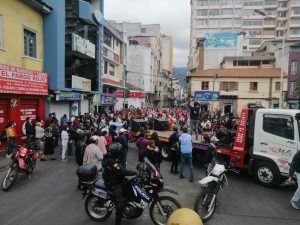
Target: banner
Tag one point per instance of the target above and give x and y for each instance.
(81, 83)
(18, 80)
(206, 96)
(69, 96)
(83, 46)
(221, 40)
(107, 99)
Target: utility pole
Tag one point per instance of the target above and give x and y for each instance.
(211, 96)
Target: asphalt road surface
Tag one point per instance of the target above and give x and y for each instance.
(51, 198)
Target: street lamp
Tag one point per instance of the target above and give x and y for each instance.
(211, 96)
(283, 46)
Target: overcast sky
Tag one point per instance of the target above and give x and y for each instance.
(172, 15)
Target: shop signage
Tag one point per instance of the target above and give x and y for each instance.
(206, 96)
(83, 46)
(31, 113)
(81, 83)
(69, 96)
(1, 116)
(136, 94)
(18, 80)
(13, 103)
(107, 99)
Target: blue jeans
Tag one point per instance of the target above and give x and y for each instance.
(296, 197)
(187, 157)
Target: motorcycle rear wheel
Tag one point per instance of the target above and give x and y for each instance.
(165, 202)
(94, 206)
(10, 177)
(201, 205)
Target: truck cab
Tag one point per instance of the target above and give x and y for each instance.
(276, 140)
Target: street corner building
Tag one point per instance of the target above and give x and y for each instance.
(74, 33)
(23, 82)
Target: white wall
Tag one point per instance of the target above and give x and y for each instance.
(60, 108)
(85, 107)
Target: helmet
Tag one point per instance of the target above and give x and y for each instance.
(114, 150)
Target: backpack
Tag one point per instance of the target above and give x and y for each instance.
(3, 136)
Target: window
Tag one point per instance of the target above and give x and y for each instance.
(253, 32)
(107, 39)
(229, 86)
(269, 32)
(202, 2)
(279, 125)
(214, 2)
(227, 12)
(226, 2)
(111, 69)
(296, 11)
(253, 3)
(1, 32)
(214, 12)
(213, 22)
(226, 22)
(202, 12)
(282, 4)
(281, 14)
(252, 23)
(253, 86)
(204, 85)
(105, 67)
(294, 67)
(279, 33)
(292, 88)
(295, 31)
(255, 41)
(270, 12)
(270, 2)
(201, 22)
(29, 43)
(144, 30)
(295, 21)
(237, 22)
(277, 86)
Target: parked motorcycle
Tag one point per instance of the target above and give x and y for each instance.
(215, 180)
(139, 192)
(23, 161)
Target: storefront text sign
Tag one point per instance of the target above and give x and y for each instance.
(69, 96)
(107, 99)
(18, 80)
(81, 83)
(83, 46)
(31, 113)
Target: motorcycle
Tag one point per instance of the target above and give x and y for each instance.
(23, 161)
(215, 180)
(139, 192)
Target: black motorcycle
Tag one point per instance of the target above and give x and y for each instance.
(139, 192)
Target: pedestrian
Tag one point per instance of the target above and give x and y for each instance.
(141, 143)
(29, 132)
(80, 148)
(186, 149)
(64, 142)
(154, 136)
(39, 136)
(113, 133)
(72, 139)
(175, 150)
(92, 153)
(107, 138)
(153, 154)
(295, 170)
(49, 144)
(55, 132)
(10, 138)
(102, 143)
(194, 117)
(123, 140)
(64, 120)
(211, 154)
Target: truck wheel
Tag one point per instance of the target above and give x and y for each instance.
(165, 152)
(267, 174)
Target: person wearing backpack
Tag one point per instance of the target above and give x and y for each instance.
(11, 136)
(175, 150)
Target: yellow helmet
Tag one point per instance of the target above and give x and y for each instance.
(184, 216)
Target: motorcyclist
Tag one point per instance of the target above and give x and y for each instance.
(114, 177)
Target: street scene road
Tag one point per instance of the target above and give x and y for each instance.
(51, 197)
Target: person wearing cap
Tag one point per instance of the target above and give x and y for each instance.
(93, 154)
(186, 149)
(123, 140)
(212, 150)
(175, 150)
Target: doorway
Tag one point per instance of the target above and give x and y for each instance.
(228, 108)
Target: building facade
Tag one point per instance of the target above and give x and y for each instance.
(23, 82)
(223, 17)
(73, 55)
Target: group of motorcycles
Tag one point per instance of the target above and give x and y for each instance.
(140, 191)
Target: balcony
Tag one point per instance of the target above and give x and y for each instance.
(111, 56)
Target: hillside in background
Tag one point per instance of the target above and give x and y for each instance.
(180, 74)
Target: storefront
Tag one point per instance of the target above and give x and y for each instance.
(22, 95)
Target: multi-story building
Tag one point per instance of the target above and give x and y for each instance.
(217, 19)
(23, 83)
(73, 55)
(113, 65)
(240, 82)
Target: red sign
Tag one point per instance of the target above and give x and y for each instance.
(240, 140)
(119, 94)
(22, 81)
(135, 94)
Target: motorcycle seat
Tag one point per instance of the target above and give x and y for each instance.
(100, 184)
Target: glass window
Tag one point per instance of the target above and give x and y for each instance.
(229, 86)
(252, 22)
(237, 21)
(204, 85)
(255, 41)
(111, 69)
(237, 2)
(213, 22)
(107, 39)
(214, 12)
(292, 88)
(29, 43)
(282, 14)
(227, 22)
(283, 4)
(201, 22)
(202, 12)
(1, 32)
(295, 21)
(295, 31)
(105, 67)
(277, 86)
(279, 125)
(294, 67)
(270, 2)
(253, 3)
(202, 2)
(253, 86)
(253, 32)
(227, 12)
(214, 2)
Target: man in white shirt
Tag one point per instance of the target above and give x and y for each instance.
(93, 154)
